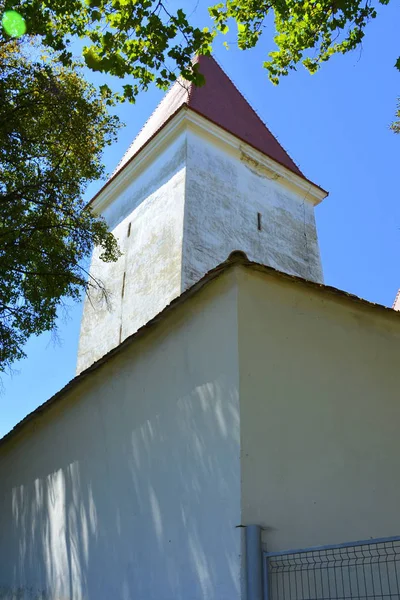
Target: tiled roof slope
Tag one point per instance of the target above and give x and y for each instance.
(218, 101)
(236, 258)
(176, 98)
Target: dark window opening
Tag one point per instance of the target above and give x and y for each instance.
(129, 229)
(123, 285)
(259, 221)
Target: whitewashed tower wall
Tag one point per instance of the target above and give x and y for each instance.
(147, 220)
(195, 202)
(233, 202)
(188, 192)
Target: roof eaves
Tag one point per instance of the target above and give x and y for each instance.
(186, 106)
(237, 258)
(299, 171)
(298, 174)
(210, 276)
(132, 158)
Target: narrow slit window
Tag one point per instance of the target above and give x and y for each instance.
(259, 225)
(123, 285)
(129, 229)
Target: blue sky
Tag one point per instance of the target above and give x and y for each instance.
(335, 125)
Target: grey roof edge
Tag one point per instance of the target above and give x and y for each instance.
(234, 259)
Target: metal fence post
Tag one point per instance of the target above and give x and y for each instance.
(254, 563)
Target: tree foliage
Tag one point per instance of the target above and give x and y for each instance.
(139, 38)
(325, 27)
(396, 125)
(53, 128)
(307, 32)
(143, 39)
(53, 125)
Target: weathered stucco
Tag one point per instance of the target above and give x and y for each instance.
(259, 399)
(147, 220)
(224, 194)
(319, 414)
(130, 488)
(193, 202)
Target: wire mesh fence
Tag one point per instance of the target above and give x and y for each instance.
(359, 571)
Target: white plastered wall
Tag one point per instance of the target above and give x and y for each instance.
(130, 487)
(320, 414)
(147, 220)
(225, 190)
(194, 200)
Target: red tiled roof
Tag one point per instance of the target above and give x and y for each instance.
(218, 101)
(222, 103)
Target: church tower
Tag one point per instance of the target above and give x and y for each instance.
(203, 178)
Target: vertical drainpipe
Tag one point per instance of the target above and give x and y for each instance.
(254, 563)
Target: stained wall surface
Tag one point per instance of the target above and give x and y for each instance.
(147, 220)
(225, 193)
(320, 414)
(260, 400)
(195, 202)
(130, 487)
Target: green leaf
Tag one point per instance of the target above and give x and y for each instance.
(92, 60)
(54, 127)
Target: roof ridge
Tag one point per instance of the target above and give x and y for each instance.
(221, 103)
(122, 159)
(195, 60)
(125, 156)
(235, 258)
(254, 111)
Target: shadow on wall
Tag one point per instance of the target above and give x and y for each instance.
(126, 495)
